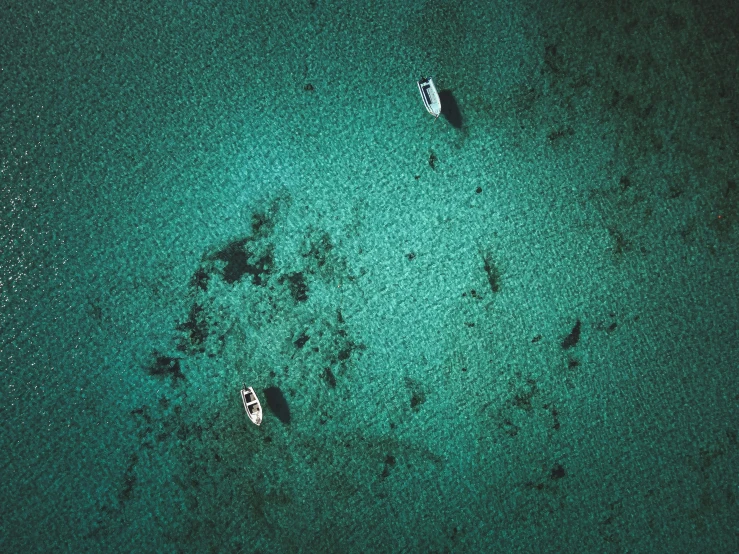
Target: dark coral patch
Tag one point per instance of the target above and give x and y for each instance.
(418, 396)
(236, 260)
(551, 59)
(555, 414)
(523, 398)
(329, 377)
(532, 485)
(574, 336)
(143, 412)
(240, 261)
(621, 243)
(319, 249)
(277, 404)
(432, 160)
(200, 279)
(558, 472)
(559, 134)
(346, 351)
(260, 224)
(492, 272)
(129, 480)
(297, 285)
(510, 428)
(301, 340)
(389, 462)
(417, 399)
(165, 366)
(196, 328)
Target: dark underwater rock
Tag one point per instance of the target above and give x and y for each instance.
(277, 404)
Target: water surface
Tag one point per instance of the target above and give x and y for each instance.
(512, 329)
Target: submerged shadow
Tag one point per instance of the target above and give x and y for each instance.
(277, 404)
(450, 109)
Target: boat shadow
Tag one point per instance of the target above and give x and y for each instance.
(277, 404)
(450, 108)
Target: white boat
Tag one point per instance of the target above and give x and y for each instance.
(430, 96)
(251, 405)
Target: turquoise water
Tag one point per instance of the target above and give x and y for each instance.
(513, 329)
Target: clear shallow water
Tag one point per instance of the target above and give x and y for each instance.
(182, 213)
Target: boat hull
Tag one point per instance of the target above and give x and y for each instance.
(430, 96)
(252, 405)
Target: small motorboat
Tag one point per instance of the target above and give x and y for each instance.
(251, 405)
(430, 96)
